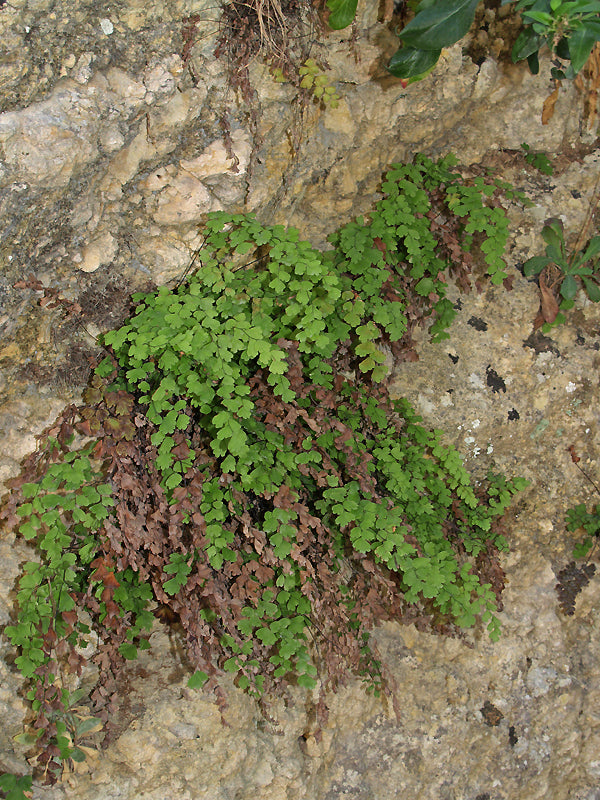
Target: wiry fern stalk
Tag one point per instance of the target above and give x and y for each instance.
(270, 16)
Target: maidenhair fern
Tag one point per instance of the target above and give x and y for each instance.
(246, 468)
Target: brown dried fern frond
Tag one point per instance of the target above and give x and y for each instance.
(588, 83)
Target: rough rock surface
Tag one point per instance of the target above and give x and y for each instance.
(111, 150)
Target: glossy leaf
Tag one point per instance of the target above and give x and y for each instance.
(581, 42)
(439, 25)
(586, 7)
(527, 43)
(542, 17)
(533, 62)
(342, 13)
(409, 62)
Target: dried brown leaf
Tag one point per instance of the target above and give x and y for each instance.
(549, 304)
(549, 104)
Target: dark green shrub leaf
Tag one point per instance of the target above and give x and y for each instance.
(410, 62)
(439, 25)
(581, 42)
(562, 51)
(342, 13)
(533, 62)
(533, 15)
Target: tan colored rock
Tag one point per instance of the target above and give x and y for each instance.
(42, 146)
(339, 120)
(183, 199)
(126, 164)
(177, 110)
(122, 84)
(168, 258)
(111, 139)
(215, 159)
(98, 252)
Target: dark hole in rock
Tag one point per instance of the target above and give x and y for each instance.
(478, 324)
(494, 381)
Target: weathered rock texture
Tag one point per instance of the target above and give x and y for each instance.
(112, 148)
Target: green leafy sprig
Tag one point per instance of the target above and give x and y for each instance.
(577, 270)
(538, 160)
(569, 28)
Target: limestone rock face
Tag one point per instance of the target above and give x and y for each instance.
(114, 142)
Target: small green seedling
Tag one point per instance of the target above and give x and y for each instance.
(574, 577)
(579, 517)
(311, 77)
(315, 80)
(579, 269)
(538, 160)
